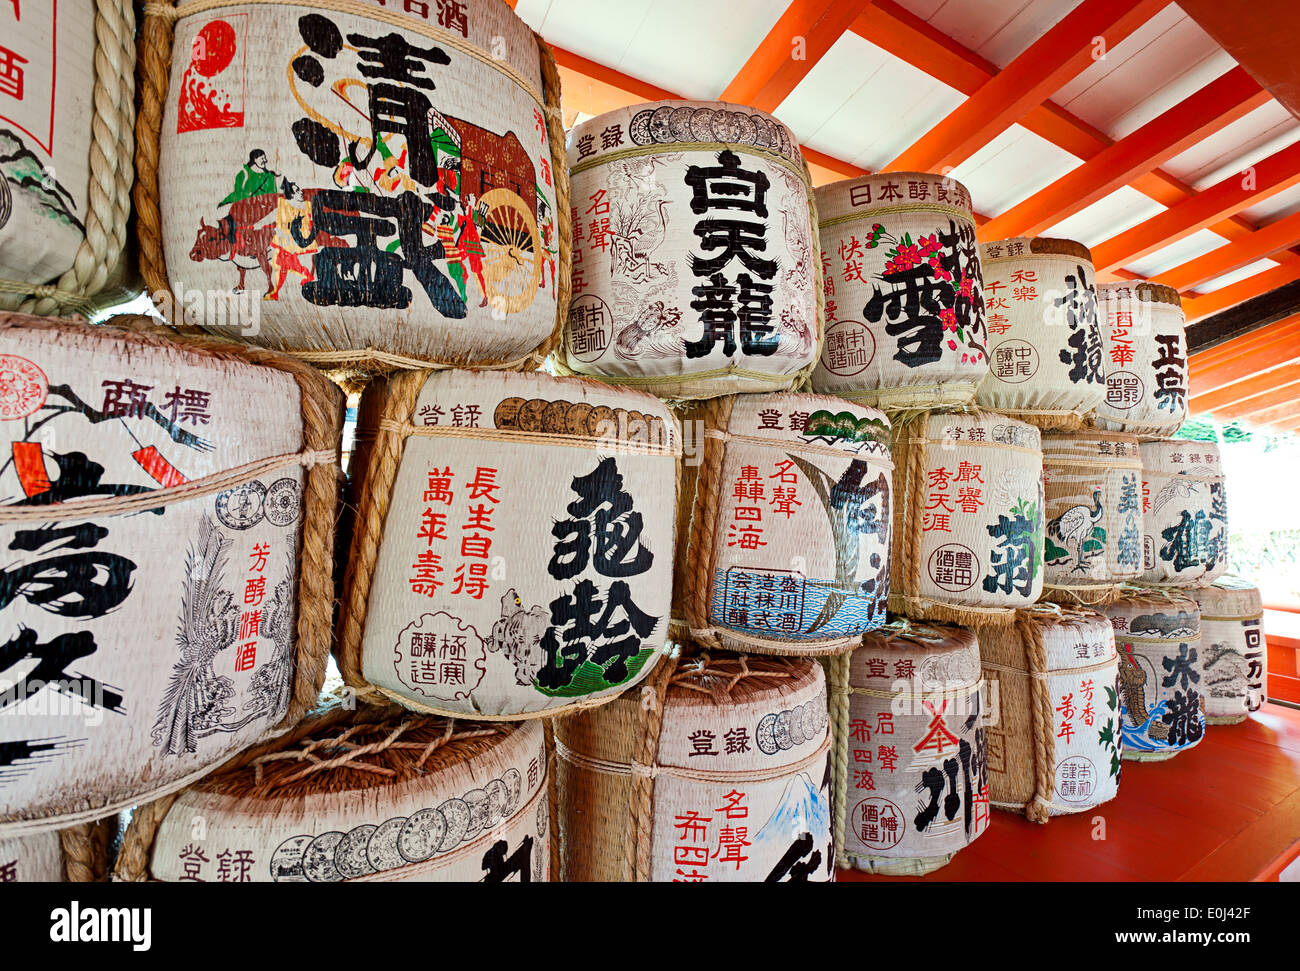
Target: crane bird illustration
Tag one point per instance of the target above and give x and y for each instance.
(1076, 524)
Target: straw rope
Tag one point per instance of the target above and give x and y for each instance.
(85, 850)
(650, 722)
(876, 211)
(638, 769)
(155, 55)
(108, 192)
(837, 700)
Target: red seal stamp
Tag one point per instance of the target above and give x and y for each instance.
(23, 387)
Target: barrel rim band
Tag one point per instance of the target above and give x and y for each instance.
(405, 429)
(656, 769)
(893, 210)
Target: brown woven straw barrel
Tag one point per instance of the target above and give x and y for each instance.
(718, 770)
(372, 794)
(1145, 361)
(905, 301)
(1184, 513)
(1235, 655)
(1161, 673)
(383, 185)
(968, 517)
(78, 854)
(170, 503)
(1045, 355)
(695, 267)
(911, 784)
(1054, 711)
(65, 195)
(788, 548)
(512, 554)
(1092, 484)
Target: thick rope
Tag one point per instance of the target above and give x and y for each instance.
(650, 722)
(1040, 702)
(837, 668)
(701, 551)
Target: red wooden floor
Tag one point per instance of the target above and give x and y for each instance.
(1227, 810)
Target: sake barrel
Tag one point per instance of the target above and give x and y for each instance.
(1092, 481)
(1045, 353)
(904, 292)
(169, 509)
(910, 748)
(1161, 674)
(1184, 513)
(968, 517)
(788, 551)
(513, 550)
(58, 140)
(359, 796)
(695, 269)
(1052, 687)
(718, 772)
(1232, 643)
(78, 854)
(1144, 360)
(376, 183)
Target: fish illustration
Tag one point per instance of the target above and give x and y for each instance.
(1133, 682)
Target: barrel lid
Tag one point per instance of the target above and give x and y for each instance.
(938, 656)
(1228, 596)
(1142, 292)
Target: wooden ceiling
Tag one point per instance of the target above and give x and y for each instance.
(1047, 53)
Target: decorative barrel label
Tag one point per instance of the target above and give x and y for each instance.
(905, 299)
(1145, 359)
(693, 249)
(1184, 513)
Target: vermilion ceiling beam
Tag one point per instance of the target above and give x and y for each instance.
(1058, 56)
(1205, 210)
(1283, 416)
(1246, 390)
(904, 35)
(772, 72)
(1230, 296)
(1262, 243)
(1210, 109)
(1284, 331)
(1283, 389)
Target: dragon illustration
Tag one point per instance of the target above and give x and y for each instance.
(1133, 683)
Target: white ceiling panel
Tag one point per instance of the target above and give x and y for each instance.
(1109, 215)
(1236, 276)
(863, 105)
(1268, 129)
(999, 30)
(1162, 62)
(646, 39)
(1011, 168)
(1275, 207)
(1176, 254)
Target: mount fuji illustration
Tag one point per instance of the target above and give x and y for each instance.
(802, 809)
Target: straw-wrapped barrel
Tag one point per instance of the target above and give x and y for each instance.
(904, 293)
(169, 509)
(911, 775)
(380, 185)
(1054, 725)
(375, 794)
(788, 548)
(78, 854)
(1045, 354)
(1145, 359)
(512, 556)
(1232, 641)
(66, 138)
(695, 269)
(1093, 508)
(718, 771)
(968, 517)
(1161, 673)
(1184, 513)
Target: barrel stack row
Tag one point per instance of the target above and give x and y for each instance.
(693, 515)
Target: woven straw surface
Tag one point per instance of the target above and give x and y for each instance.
(968, 522)
(376, 793)
(1161, 673)
(1145, 359)
(631, 772)
(877, 232)
(788, 549)
(66, 229)
(581, 506)
(657, 188)
(443, 239)
(177, 693)
(1054, 725)
(1093, 511)
(903, 704)
(1185, 524)
(1045, 354)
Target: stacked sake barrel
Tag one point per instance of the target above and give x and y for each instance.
(1232, 642)
(65, 189)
